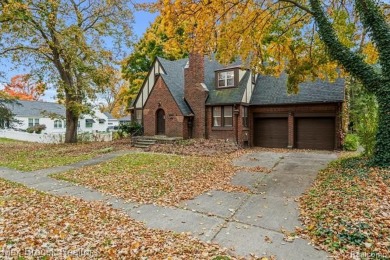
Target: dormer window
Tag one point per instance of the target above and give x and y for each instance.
(226, 79)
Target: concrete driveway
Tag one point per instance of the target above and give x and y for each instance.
(254, 223)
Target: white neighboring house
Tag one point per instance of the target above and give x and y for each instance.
(97, 122)
(52, 115)
(112, 121)
(125, 119)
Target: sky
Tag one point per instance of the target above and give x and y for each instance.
(142, 21)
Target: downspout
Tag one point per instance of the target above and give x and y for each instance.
(190, 126)
(236, 113)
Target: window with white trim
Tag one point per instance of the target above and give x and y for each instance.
(57, 123)
(223, 116)
(226, 79)
(33, 121)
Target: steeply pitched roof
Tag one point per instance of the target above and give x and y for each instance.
(24, 108)
(174, 79)
(210, 66)
(273, 91)
(268, 90)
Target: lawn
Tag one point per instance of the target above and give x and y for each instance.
(27, 156)
(6, 140)
(347, 211)
(66, 228)
(157, 178)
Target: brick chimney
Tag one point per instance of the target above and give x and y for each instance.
(195, 94)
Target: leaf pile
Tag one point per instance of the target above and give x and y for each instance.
(26, 156)
(347, 212)
(157, 178)
(202, 147)
(68, 228)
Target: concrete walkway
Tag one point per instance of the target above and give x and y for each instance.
(246, 223)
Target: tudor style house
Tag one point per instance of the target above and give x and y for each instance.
(200, 98)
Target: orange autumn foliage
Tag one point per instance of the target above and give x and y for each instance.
(23, 87)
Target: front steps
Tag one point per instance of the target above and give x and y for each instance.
(147, 141)
(143, 143)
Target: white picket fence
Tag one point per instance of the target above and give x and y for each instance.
(54, 138)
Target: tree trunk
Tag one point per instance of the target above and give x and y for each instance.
(71, 126)
(382, 147)
(72, 118)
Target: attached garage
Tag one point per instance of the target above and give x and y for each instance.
(271, 132)
(315, 133)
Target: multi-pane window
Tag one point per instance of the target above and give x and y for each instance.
(227, 116)
(217, 116)
(57, 123)
(245, 116)
(223, 116)
(33, 121)
(102, 121)
(226, 79)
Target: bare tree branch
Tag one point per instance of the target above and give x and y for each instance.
(302, 7)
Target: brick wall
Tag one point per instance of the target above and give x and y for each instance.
(195, 94)
(292, 111)
(236, 133)
(161, 98)
(291, 130)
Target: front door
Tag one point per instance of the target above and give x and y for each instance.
(160, 115)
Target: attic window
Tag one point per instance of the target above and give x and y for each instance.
(226, 79)
(102, 121)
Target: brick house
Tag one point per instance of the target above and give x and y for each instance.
(200, 98)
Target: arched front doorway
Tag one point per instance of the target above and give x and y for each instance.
(160, 122)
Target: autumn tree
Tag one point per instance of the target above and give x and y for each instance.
(115, 96)
(306, 38)
(70, 42)
(154, 43)
(24, 87)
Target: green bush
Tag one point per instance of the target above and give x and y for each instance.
(116, 136)
(39, 128)
(367, 125)
(132, 128)
(351, 142)
(364, 117)
(36, 129)
(84, 137)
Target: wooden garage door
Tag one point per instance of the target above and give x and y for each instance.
(271, 132)
(315, 133)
